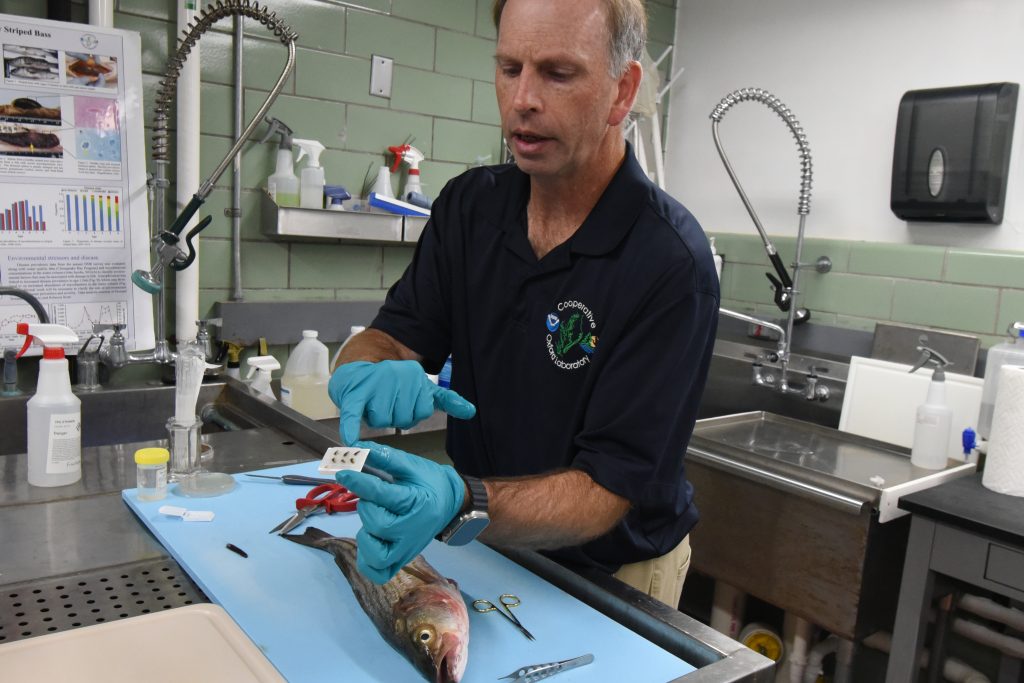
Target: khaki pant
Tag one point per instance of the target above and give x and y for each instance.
(662, 577)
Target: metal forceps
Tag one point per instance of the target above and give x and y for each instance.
(506, 601)
(537, 672)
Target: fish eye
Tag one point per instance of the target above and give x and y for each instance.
(425, 635)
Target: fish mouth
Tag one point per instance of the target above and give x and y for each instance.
(446, 664)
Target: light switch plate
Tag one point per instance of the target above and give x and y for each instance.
(380, 75)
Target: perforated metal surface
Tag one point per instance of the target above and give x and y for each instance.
(35, 608)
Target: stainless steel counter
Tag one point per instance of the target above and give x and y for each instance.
(75, 555)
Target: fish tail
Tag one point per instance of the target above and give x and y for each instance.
(313, 537)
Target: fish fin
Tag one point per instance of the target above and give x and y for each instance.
(313, 537)
(412, 571)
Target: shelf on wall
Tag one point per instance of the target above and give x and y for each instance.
(349, 227)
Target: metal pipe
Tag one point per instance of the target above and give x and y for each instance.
(236, 175)
(783, 335)
(165, 97)
(186, 281)
(101, 13)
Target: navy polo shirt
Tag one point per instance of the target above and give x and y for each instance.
(593, 357)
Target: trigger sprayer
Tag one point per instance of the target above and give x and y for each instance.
(54, 427)
(311, 178)
(262, 367)
(411, 157)
(934, 418)
(283, 185)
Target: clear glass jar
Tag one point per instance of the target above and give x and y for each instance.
(151, 473)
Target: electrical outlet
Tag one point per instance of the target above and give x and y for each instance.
(380, 75)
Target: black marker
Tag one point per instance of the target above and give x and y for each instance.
(235, 549)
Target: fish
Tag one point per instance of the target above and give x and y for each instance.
(32, 62)
(419, 612)
(31, 138)
(30, 73)
(31, 51)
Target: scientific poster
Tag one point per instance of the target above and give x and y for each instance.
(73, 214)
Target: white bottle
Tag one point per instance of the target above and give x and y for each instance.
(311, 178)
(306, 374)
(719, 261)
(283, 186)
(934, 419)
(1004, 353)
(263, 367)
(54, 413)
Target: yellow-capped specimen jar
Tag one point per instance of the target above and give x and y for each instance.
(151, 473)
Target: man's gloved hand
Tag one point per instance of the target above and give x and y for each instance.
(400, 519)
(390, 393)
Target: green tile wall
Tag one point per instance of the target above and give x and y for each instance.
(442, 96)
(963, 290)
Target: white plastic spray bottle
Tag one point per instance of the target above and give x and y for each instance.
(54, 413)
(930, 449)
(411, 157)
(311, 178)
(283, 185)
(262, 367)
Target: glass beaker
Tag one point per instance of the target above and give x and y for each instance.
(184, 447)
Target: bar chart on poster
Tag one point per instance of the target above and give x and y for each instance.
(73, 213)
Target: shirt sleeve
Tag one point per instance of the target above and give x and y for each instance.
(645, 401)
(417, 309)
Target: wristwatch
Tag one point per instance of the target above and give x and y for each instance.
(467, 525)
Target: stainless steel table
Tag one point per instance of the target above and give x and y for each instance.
(964, 531)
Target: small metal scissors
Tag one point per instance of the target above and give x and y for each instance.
(506, 601)
(326, 497)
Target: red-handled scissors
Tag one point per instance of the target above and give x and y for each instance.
(328, 498)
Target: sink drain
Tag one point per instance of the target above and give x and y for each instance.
(35, 608)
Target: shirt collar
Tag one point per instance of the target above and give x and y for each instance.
(610, 219)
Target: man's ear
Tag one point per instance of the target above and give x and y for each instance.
(627, 87)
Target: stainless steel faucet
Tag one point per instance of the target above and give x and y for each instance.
(166, 242)
(786, 288)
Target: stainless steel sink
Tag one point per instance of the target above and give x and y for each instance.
(798, 514)
(124, 415)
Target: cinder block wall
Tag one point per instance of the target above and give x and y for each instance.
(442, 94)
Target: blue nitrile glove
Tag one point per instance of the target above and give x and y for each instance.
(390, 393)
(400, 519)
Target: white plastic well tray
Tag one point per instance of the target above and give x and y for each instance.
(193, 643)
(882, 397)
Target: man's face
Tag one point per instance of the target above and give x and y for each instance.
(555, 94)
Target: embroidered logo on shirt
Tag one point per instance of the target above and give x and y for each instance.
(571, 337)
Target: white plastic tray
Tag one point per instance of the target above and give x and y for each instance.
(882, 397)
(194, 643)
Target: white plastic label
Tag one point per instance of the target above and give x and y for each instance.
(64, 447)
(186, 515)
(343, 458)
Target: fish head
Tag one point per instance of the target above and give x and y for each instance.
(437, 636)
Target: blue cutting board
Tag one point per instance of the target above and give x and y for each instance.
(296, 605)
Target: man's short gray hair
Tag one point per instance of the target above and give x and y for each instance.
(627, 28)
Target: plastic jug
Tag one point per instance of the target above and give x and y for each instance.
(306, 374)
(1004, 353)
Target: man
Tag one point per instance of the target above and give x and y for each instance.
(579, 304)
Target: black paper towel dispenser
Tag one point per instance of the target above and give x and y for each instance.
(952, 153)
